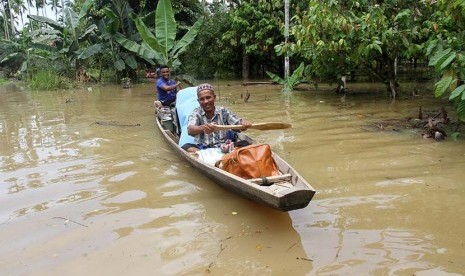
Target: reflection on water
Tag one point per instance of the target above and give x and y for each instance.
(103, 199)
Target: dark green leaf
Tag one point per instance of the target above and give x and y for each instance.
(56, 25)
(457, 91)
(461, 111)
(131, 61)
(275, 77)
(85, 8)
(442, 86)
(89, 51)
(448, 60)
(119, 65)
(439, 57)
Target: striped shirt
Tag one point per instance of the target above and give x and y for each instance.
(222, 116)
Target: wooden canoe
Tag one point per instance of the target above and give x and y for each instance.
(289, 191)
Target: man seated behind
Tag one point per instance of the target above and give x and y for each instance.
(166, 88)
(203, 119)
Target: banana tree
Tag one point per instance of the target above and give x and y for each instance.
(289, 82)
(114, 23)
(17, 56)
(70, 37)
(161, 46)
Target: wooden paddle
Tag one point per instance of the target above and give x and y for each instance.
(259, 126)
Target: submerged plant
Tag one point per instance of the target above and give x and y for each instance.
(292, 81)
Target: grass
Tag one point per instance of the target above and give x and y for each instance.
(4, 81)
(49, 80)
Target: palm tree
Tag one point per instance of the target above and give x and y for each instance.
(5, 22)
(18, 8)
(54, 6)
(12, 22)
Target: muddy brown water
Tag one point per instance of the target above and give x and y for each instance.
(81, 198)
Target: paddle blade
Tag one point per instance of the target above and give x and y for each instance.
(271, 126)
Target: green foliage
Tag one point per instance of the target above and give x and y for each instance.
(337, 37)
(210, 56)
(457, 91)
(161, 46)
(461, 110)
(252, 29)
(293, 80)
(455, 136)
(48, 80)
(115, 23)
(442, 86)
(71, 37)
(71, 34)
(255, 26)
(17, 56)
(446, 52)
(442, 59)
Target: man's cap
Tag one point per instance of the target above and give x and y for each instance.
(204, 86)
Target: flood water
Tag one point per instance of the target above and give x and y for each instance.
(83, 198)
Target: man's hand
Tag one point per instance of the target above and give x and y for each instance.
(208, 128)
(246, 124)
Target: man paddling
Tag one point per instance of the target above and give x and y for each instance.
(202, 121)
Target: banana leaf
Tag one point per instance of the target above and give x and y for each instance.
(130, 61)
(89, 51)
(112, 23)
(71, 19)
(165, 25)
(142, 50)
(275, 78)
(147, 35)
(89, 31)
(119, 65)
(52, 23)
(182, 44)
(84, 9)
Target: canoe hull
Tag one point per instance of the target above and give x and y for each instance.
(290, 195)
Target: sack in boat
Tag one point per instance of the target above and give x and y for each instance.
(254, 161)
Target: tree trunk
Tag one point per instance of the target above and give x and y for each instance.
(44, 8)
(5, 24)
(286, 38)
(393, 85)
(11, 20)
(393, 88)
(245, 65)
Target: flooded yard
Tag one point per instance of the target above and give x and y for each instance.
(80, 198)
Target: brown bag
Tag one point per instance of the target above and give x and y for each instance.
(254, 161)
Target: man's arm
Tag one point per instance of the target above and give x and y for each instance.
(169, 88)
(193, 130)
(233, 119)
